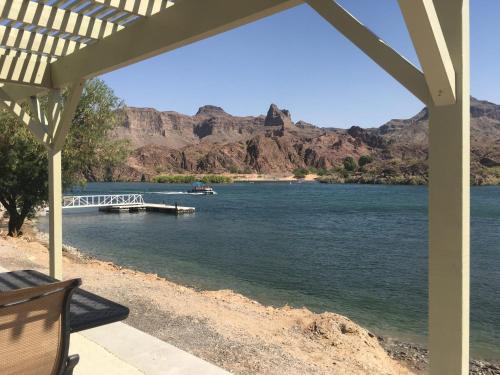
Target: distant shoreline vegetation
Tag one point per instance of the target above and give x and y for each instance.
(364, 170)
(361, 171)
(372, 179)
(369, 170)
(359, 178)
(188, 179)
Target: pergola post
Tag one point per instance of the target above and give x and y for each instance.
(55, 213)
(449, 195)
(59, 116)
(50, 127)
(440, 34)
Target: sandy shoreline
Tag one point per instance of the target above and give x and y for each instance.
(226, 328)
(255, 177)
(222, 327)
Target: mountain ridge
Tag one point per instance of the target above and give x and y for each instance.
(214, 141)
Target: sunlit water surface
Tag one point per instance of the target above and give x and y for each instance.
(358, 250)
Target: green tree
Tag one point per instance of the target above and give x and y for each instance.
(23, 160)
(23, 171)
(349, 164)
(89, 154)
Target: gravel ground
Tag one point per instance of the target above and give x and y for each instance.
(416, 358)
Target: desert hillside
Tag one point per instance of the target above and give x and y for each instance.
(213, 141)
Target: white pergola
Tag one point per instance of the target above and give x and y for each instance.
(50, 45)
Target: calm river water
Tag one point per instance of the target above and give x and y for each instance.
(359, 250)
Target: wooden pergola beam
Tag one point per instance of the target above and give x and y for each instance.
(62, 121)
(182, 24)
(10, 52)
(145, 38)
(425, 30)
(379, 51)
(18, 93)
(39, 130)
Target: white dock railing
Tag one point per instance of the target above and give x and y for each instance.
(80, 201)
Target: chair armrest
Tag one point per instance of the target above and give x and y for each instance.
(71, 362)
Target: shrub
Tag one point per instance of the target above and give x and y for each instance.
(349, 164)
(216, 179)
(175, 179)
(233, 169)
(389, 171)
(495, 171)
(331, 179)
(247, 170)
(364, 160)
(300, 173)
(188, 179)
(313, 170)
(322, 172)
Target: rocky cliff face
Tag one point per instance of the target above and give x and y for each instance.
(278, 117)
(408, 138)
(403, 144)
(213, 141)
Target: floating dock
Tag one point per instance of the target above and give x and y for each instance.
(148, 207)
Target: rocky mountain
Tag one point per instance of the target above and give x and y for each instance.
(213, 141)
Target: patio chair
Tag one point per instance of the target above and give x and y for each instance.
(34, 330)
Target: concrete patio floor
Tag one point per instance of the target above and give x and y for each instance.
(94, 359)
(119, 349)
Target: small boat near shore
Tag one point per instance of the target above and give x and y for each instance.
(201, 188)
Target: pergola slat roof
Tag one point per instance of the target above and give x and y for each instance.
(33, 34)
(137, 7)
(58, 28)
(36, 43)
(36, 34)
(66, 40)
(48, 45)
(56, 20)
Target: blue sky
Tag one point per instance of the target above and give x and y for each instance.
(298, 61)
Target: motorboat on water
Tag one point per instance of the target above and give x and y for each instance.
(201, 188)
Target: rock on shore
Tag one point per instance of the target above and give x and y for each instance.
(417, 358)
